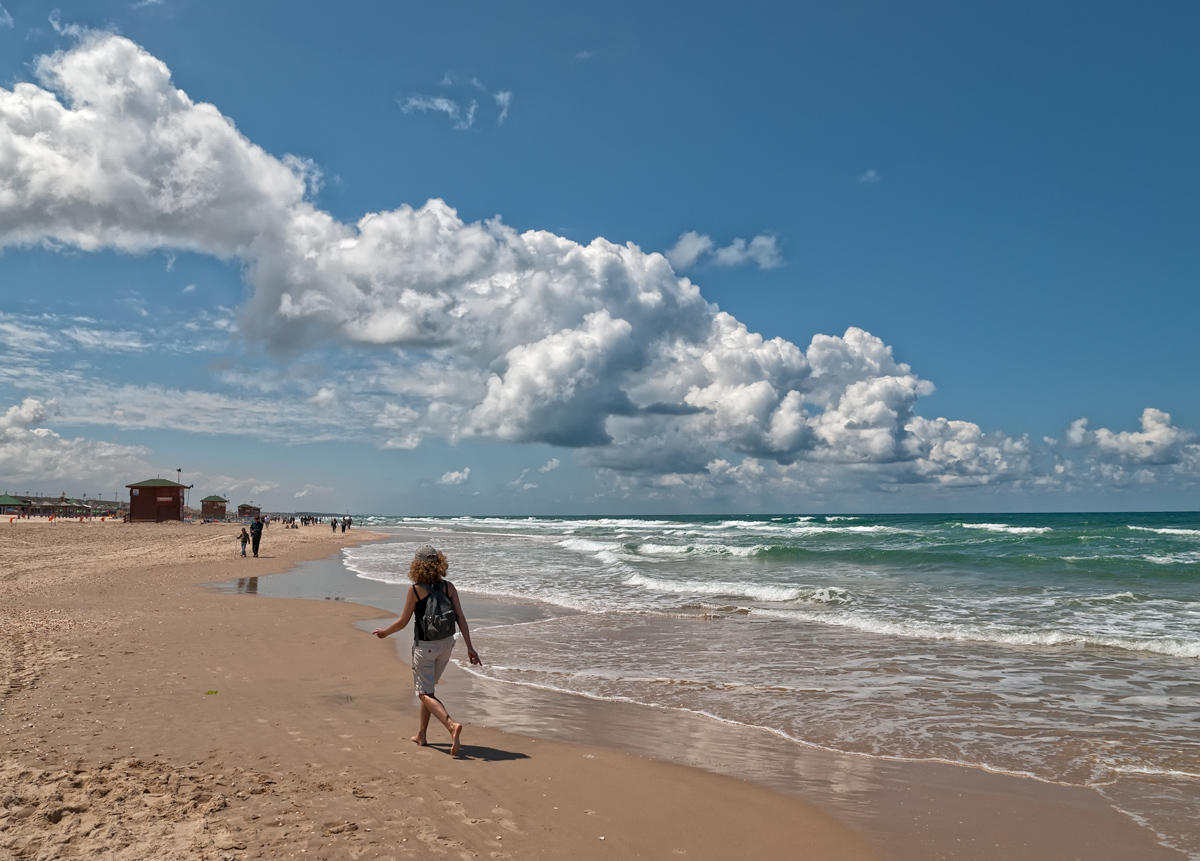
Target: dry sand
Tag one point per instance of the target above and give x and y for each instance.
(144, 717)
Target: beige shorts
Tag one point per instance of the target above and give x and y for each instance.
(429, 659)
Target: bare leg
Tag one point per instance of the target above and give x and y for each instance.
(435, 707)
(419, 738)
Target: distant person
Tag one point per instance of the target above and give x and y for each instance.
(345, 523)
(256, 529)
(431, 647)
(333, 523)
(245, 539)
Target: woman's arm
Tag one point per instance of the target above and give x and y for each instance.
(462, 626)
(410, 604)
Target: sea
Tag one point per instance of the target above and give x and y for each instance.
(1060, 647)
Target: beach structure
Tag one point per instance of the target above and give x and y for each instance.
(247, 509)
(44, 506)
(155, 500)
(213, 507)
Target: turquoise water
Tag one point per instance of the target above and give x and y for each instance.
(1062, 647)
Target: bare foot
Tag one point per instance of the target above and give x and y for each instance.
(455, 734)
(419, 740)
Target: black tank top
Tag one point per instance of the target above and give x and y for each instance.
(419, 610)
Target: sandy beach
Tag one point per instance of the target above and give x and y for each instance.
(144, 717)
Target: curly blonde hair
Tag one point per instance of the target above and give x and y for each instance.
(423, 571)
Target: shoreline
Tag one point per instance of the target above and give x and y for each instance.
(907, 809)
(142, 710)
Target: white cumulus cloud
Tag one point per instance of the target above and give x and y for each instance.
(29, 453)
(25, 414)
(521, 336)
(1158, 442)
(693, 248)
(453, 478)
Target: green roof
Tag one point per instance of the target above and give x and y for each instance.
(157, 482)
(214, 499)
(11, 500)
(249, 505)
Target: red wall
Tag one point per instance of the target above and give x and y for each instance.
(155, 504)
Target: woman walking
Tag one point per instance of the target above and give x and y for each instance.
(433, 602)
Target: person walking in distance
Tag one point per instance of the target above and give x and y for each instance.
(433, 602)
(256, 529)
(245, 539)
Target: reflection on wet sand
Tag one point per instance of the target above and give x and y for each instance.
(949, 805)
(247, 586)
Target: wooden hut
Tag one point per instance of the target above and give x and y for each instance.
(213, 507)
(156, 500)
(11, 505)
(247, 510)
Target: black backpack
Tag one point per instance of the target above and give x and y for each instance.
(439, 618)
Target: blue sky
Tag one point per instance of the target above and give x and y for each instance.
(966, 236)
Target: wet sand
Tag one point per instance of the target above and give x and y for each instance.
(143, 716)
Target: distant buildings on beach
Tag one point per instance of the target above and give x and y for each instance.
(213, 507)
(248, 509)
(155, 500)
(33, 505)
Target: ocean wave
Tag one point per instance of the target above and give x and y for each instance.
(1173, 558)
(700, 549)
(586, 545)
(1150, 771)
(1176, 647)
(614, 559)
(1121, 597)
(1098, 558)
(766, 594)
(968, 762)
(669, 549)
(377, 576)
(1005, 528)
(813, 528)
(1167, 530)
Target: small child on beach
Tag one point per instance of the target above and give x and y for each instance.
(245, 539)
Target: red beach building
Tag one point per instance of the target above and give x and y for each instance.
(213, 507)
(156, 500)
